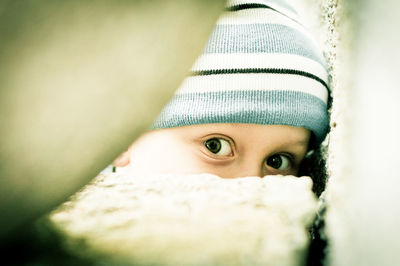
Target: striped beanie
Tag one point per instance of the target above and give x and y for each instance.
(260, 66)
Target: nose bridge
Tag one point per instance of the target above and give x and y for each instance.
(249, 168)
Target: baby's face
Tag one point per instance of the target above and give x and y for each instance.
(226, 150)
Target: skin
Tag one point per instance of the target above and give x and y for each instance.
(243, 150)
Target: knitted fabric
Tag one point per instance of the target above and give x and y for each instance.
(259, 66)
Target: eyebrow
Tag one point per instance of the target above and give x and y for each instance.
(295, 143)
(299, 142)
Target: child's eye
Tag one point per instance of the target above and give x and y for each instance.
(279, 162)
(218, 146)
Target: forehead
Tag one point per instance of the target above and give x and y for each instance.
(262, 133)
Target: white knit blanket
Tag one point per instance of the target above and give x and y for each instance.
(189, 220)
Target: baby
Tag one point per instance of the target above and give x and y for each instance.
(254, 104)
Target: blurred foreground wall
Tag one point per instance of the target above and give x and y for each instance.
(363, 215)
(79, 81)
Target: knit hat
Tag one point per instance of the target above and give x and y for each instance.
(260, 66)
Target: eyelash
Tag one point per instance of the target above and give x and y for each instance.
(289, 157)
(227, 141)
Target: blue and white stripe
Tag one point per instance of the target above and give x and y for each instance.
(260, 61)
(259, 66)
(284, 108)
(253, 82)
(280, 6)
(261, 38)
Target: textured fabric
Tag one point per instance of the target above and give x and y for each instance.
(259, 66)
(174, 220)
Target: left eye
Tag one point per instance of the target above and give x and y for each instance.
(218, 146)
(279, 162)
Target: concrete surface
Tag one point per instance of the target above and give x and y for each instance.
(189, 220)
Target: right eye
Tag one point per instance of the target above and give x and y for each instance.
(218, 146)
(279, 162)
